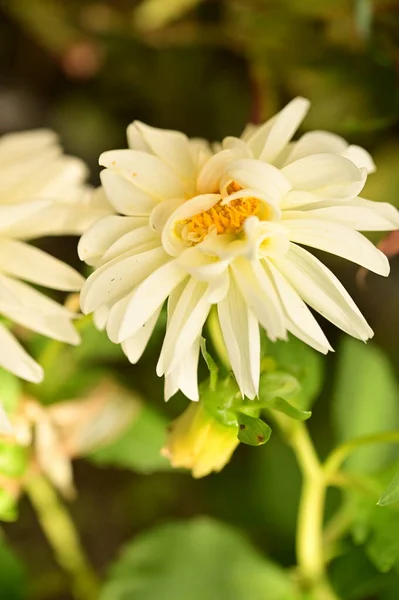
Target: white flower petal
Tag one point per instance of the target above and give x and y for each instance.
(13, 214)
(209, 177)
(146, 172)
(103, 233)
(148, 297)
(124, 196)
(184, 326)
(327, 175)
(238, 146)
(161, 213)
(135, 345)
(135, 139)
(283, 128)
(117, 278)
(260, 297)
(250, 173)
(173, 148)
(200, 265)
(35, 300)
(240, 331)
(15, 359)
(67, 216)
(16, 146)
(100, 317)
(360, 157)
(49, 325)
(29, 263)
(257, 136)
(339, 240)
(360, 214)
(139, 240)
(172, 243)
(184, 376)
(319, 288)
(299, 319)
(317, 142)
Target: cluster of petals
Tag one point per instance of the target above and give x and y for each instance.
(229, 225)
(42, 192)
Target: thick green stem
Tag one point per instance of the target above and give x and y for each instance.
(310, 551)
(311, 508)
(62, 536)
(310, 543)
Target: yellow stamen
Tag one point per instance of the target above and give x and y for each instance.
(222, 218)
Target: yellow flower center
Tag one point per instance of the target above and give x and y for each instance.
(222, 218)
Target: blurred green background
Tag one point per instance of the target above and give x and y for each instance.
(87, 69)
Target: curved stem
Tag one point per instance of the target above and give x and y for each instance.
(62, 536)
(339, 454)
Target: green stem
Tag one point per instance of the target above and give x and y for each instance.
(62, 536)
(217, 338)
(339, 454)
(311, 507)
(310, 543)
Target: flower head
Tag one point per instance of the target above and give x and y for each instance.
(42, 192)
(227, 227)
(200, 443)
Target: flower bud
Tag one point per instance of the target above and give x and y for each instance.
(197, 441)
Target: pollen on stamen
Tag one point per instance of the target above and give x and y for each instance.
(222, 218)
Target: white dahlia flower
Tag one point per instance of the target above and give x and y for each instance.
(42, 192)
(228, 228)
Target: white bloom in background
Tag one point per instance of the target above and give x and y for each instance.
(42, 192)
(228, 227)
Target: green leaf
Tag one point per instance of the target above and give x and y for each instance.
(375, 526)
(355, 578)
(12, 574)
(365, 402)
(252, 431)
(10, 391)
(139, 448)
(303, 363)
(196, 560)
(391, 494)
(285, 407)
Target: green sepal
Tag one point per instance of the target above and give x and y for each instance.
(285, 407)
(222, 400)
(252, 431)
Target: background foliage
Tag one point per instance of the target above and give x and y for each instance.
(87, 69)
